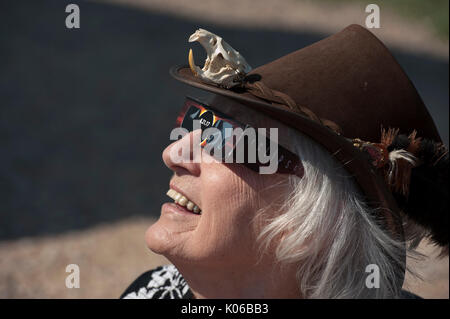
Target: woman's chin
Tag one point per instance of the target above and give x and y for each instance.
(158, 239)
(172, 230)
(166, 239)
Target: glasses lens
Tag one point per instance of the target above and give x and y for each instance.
(231, 142)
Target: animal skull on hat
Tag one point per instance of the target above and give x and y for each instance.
(224, 65)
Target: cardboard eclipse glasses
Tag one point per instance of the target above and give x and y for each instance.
(230, 141)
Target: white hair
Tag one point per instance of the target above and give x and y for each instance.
(329, 233)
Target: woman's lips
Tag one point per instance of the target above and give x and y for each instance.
(174, 208)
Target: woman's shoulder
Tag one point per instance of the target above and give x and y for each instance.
(164, 282)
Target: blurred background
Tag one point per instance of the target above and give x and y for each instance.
(85, 114)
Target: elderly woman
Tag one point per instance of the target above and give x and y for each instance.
(358, 164)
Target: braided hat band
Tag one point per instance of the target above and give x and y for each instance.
(256, 87)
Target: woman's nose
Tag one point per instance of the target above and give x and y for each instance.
(184, 155)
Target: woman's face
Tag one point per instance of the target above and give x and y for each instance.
(230, 197)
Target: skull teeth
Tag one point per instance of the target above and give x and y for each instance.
(183, 201)
(192, 63)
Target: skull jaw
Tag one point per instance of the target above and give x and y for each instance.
(226, 78)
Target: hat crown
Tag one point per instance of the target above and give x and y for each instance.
(352, 79)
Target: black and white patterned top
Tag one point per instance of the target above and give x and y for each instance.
(164, 282)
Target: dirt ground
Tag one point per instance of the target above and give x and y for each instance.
(111, 256)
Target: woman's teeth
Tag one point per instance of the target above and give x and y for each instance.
(183, 201)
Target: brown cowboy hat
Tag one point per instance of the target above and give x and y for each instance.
(341, 92)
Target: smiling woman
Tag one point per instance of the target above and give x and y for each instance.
(341, 228)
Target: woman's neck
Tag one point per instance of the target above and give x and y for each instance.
(256, 282)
